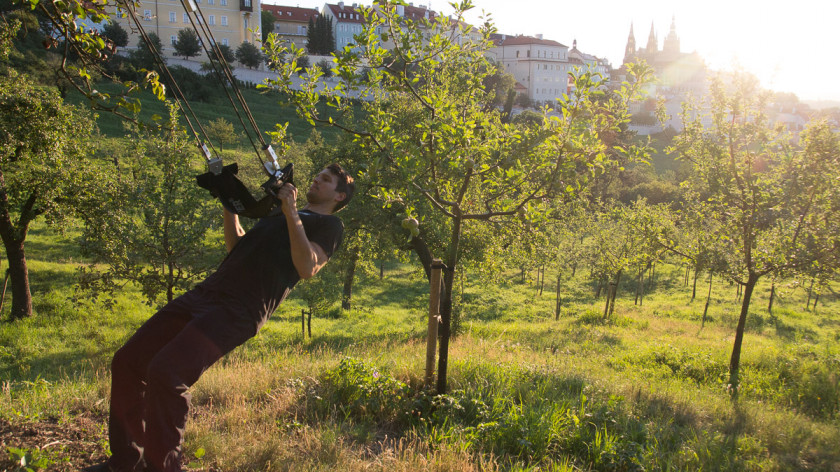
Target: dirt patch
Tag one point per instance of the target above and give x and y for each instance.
(60, 445)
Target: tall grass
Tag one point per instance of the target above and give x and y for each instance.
(644, 390)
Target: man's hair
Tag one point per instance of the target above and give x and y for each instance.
(345, 185)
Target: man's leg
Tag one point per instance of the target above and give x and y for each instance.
(211, 334)
(128, 383)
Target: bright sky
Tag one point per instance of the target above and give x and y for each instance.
(790, 46)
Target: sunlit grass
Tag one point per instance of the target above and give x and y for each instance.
(645, 387)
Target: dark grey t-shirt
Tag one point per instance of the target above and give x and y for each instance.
(258, 273)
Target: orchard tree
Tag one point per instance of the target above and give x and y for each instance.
(773, 205)
(42, 154)
(434, 143)
(187, 43)
(221, 131)
(152, 221)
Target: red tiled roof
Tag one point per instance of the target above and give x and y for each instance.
(417, 13)
(346, 14)
(524, 40)
(291, 13)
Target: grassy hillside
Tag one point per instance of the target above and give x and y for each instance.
(268, 109)
(643, 391)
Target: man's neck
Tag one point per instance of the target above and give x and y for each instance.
(320, 208)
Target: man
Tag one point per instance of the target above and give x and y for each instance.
(151, 374)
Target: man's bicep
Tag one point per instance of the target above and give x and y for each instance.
(321, 257)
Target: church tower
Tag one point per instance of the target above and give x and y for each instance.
(630, 49)
(672, 41)
(652, 44)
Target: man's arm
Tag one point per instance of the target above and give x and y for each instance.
(233, 230)
(308, 257)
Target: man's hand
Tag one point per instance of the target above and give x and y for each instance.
(287, 194)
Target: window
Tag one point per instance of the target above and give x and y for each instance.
(186, 18)
(210, 2)
(211, 20)
(225, 41)
(223, 2)
(172, 17)
(224, 20)
(147, 14)
(172, 39)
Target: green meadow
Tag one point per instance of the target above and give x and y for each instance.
(643, 390)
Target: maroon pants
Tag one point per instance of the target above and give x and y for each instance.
(151, 375)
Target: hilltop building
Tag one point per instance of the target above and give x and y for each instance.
(678, 72)
(291, 24)
(230, 21)
(542, 67)
(347, 21)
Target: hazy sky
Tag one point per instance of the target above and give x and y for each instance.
(790, 46)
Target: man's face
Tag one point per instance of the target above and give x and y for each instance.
(323, 188)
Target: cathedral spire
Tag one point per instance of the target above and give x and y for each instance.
(672, 41)
(630, 49)
(652, 44)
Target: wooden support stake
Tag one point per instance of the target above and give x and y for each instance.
(434, 320)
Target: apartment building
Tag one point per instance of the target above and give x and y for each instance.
(347, 21)
(231, 22)
(542, 66)
(291, 24)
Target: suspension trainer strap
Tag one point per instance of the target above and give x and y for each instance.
(180, 99)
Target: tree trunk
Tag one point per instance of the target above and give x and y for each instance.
(614, 292)
(349, 275)
(557, 299)
(422, 250)
(735, 360)
(13, 240)
(772, 296)
(381, 270)
(170, 281)
(19, 276)
(3, 295)
(810, 291)
(638, 286)
(642, 288)
(607, 303)
(574, 269)
(708, 299)
(446, 305)
(694, 288)
(687, 274)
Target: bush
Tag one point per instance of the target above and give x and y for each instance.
(194, 85)
(326, 68)
(362, 392)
